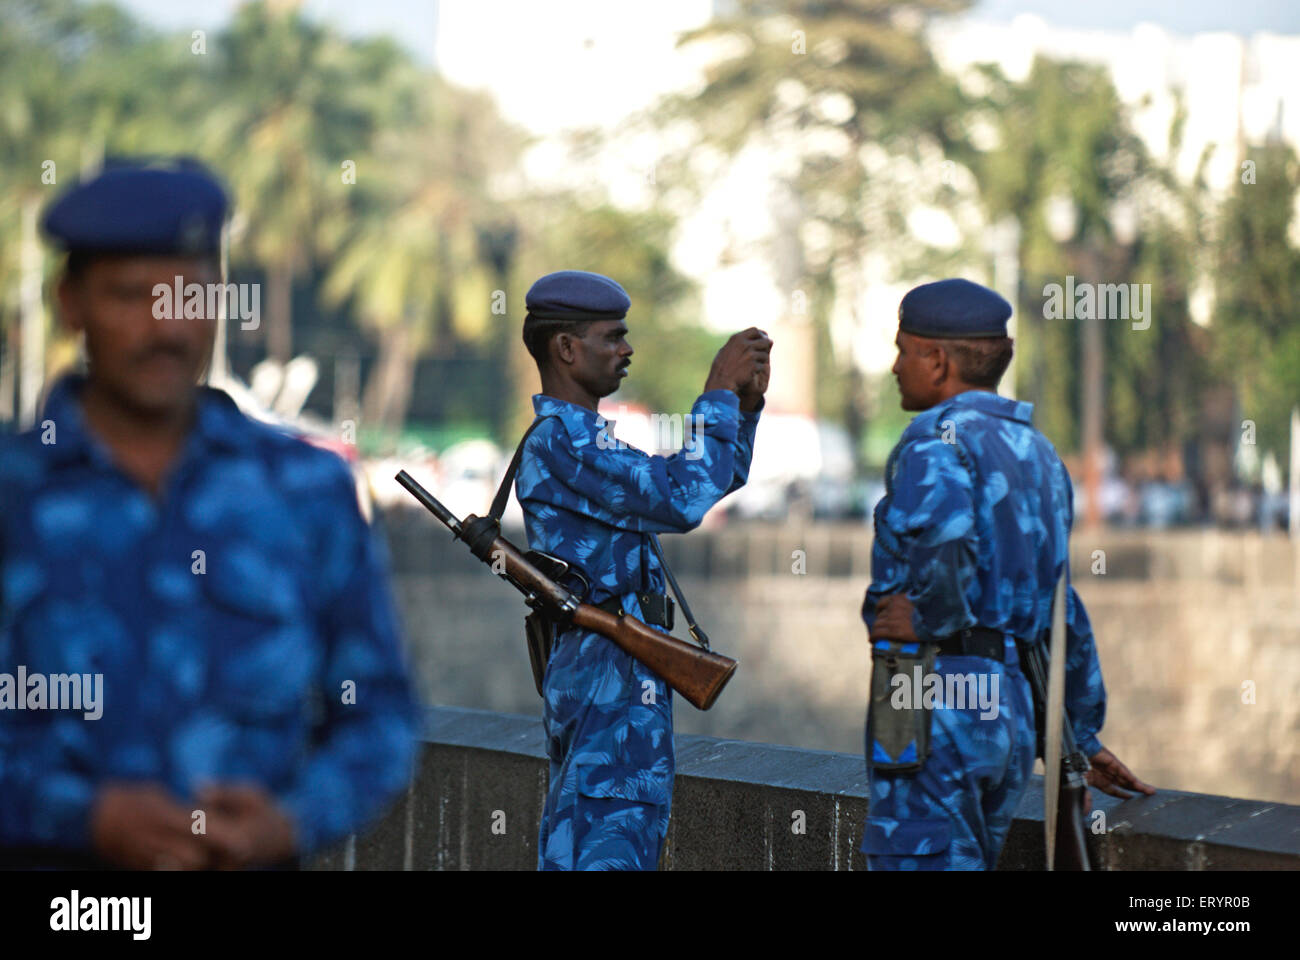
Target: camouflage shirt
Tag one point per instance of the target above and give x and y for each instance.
(590, 499)
(241, 624)
(974, 528)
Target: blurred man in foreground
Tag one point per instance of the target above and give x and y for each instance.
(971, 538)
(206, 580)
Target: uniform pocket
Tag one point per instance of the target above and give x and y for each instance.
(612, 781)
(252, 585)
(619, 818)
(269, 654)
(907, 844)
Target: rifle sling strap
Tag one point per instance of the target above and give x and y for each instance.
(697, 632)
(503, 492)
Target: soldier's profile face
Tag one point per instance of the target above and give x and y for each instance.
(912, 370)
(140, 346)
(603, 357)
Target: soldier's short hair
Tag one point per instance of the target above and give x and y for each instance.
(980, 362)
(539, 333)
(77, 262)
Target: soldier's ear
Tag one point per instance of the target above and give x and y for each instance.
(943, 367)
(564, 349)
(69, 294)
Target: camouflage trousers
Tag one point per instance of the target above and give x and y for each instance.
(609, 735)
(955, 812)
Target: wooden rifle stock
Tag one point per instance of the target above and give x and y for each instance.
(697, 674)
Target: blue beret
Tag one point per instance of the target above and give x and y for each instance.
(953, 308)
(576, 295)
(132, 207)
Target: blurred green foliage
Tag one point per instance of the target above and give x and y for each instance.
(374, 196)
(858, 78)
(367, 189)
(1257, 302)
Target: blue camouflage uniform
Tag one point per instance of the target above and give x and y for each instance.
(592, 501)
(974, 529)
(233, 664)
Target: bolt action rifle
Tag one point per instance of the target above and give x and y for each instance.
(696, 673)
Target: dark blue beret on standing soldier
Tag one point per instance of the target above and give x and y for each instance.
(576, 295)
(953, 308)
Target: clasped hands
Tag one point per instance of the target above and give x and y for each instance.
(141, 826)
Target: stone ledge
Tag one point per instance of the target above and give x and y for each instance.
(475, 802)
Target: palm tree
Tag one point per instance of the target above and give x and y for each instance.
(419, 267)
(78, 81)
(292, 112)
(1065, 153)
(830, 88)
(1257, 302)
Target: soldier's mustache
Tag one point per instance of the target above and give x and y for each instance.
(174, 350)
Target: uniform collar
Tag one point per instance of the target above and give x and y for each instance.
(218, 423)
(993, 405)
(579, 421)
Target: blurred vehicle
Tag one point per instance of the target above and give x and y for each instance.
(277, 397)
(388, 494)
(469, 473)
(868, 492)
(801, 467)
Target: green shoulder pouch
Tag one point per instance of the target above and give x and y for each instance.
(898, 727)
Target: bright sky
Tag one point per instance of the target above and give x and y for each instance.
(1178, 16)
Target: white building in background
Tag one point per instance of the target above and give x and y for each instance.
(560, 67)
(1236, 89)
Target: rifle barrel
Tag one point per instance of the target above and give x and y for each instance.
(430, 502)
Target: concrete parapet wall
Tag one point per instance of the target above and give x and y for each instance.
(475, 802)
(843, 550)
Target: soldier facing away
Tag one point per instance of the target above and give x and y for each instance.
(594, 503)
(211, 576)
(970, 540)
